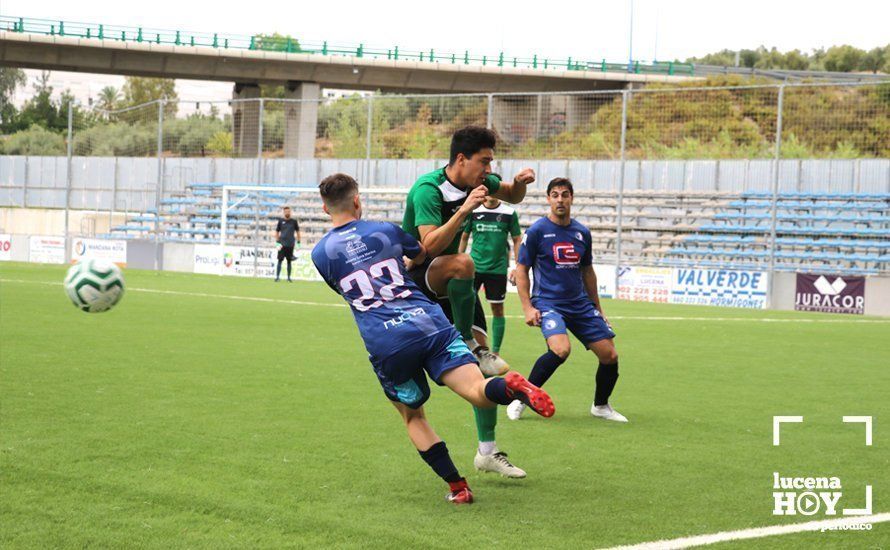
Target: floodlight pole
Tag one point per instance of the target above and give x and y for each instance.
(619, 214)
(68, 177)
(630, 46)
(774, 199)
(223, 225)
(256, 197)
(158, 189)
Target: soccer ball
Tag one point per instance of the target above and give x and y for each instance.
(94, 285)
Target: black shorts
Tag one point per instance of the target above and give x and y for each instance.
(495, 286)
(418, 274)
(285, 253)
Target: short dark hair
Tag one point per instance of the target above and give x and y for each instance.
(285, 208)
(561, 182)
(470, 140)
(337, 189)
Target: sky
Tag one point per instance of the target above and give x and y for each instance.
(589, 29)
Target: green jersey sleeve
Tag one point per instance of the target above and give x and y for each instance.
(515, 231)
(427, 206)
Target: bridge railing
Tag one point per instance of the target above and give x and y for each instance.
(288, 44)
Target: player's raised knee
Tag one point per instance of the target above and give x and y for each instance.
(463, 266)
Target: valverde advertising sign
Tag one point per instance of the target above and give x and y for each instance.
(830, 293)
(719, 287)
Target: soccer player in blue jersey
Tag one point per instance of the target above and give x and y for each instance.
(404, 331)
(565, 298)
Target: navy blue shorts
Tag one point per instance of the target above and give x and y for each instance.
(581, 318)
(402, 374)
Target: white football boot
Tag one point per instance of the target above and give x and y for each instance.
(498, 464)
(490, 363)
(514, 409)
(606, 412)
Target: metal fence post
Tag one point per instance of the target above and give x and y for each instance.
(620, 205)
(158, 188)
(368, 140)
(774, 199)
(489, 115)
(68, 177)
(256, 198)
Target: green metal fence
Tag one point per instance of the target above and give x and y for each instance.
(287, 44)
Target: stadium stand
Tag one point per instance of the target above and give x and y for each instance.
(842, 232)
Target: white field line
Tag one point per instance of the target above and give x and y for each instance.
(758, 532)
(342, 305)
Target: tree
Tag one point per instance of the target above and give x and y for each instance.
(276, 42)
(108, 98)
(843, 58)
(138, 91)
(10, 79)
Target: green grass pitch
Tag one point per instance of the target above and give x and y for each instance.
(189, 417)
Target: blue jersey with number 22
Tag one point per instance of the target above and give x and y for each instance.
(362, 261)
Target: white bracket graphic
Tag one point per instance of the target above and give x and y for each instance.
(863, 420)
(777, 423)
(861, 511)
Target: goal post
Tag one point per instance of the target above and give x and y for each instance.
(236, 256)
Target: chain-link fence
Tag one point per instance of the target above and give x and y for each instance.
(683, 176)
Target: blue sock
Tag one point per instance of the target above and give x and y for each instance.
(440, 461)
(496, 391)
(544, 368)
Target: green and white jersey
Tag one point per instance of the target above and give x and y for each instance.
(490, 230)
(433, 200)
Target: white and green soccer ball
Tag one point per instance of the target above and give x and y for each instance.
(94, 285)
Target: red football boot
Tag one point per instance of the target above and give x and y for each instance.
(460, 492)
(531, 395)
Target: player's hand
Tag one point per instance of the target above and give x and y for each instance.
(533, 317)
(526, 177)
(409, 263)
(512, 277)
(474, 199)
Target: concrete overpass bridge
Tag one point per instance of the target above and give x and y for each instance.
(305, 68)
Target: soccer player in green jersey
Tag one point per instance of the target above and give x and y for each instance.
(437, 208)
(491, 227)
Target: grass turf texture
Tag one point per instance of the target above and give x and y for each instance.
(199, 421)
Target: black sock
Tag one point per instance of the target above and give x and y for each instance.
(440, 461)
(288, 268)
(606, 377)
(278, 270)
(544, 368)
(496, 391)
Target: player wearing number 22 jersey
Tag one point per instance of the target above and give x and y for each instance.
(404, 331)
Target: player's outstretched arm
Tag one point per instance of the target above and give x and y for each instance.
(515, 192)
(523, 287)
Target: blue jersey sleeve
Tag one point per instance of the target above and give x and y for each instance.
(528, 249)
(587, 257)
(410, 245)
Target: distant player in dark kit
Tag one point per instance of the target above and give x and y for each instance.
(404, 331)
(566, 298)
(284, 237)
